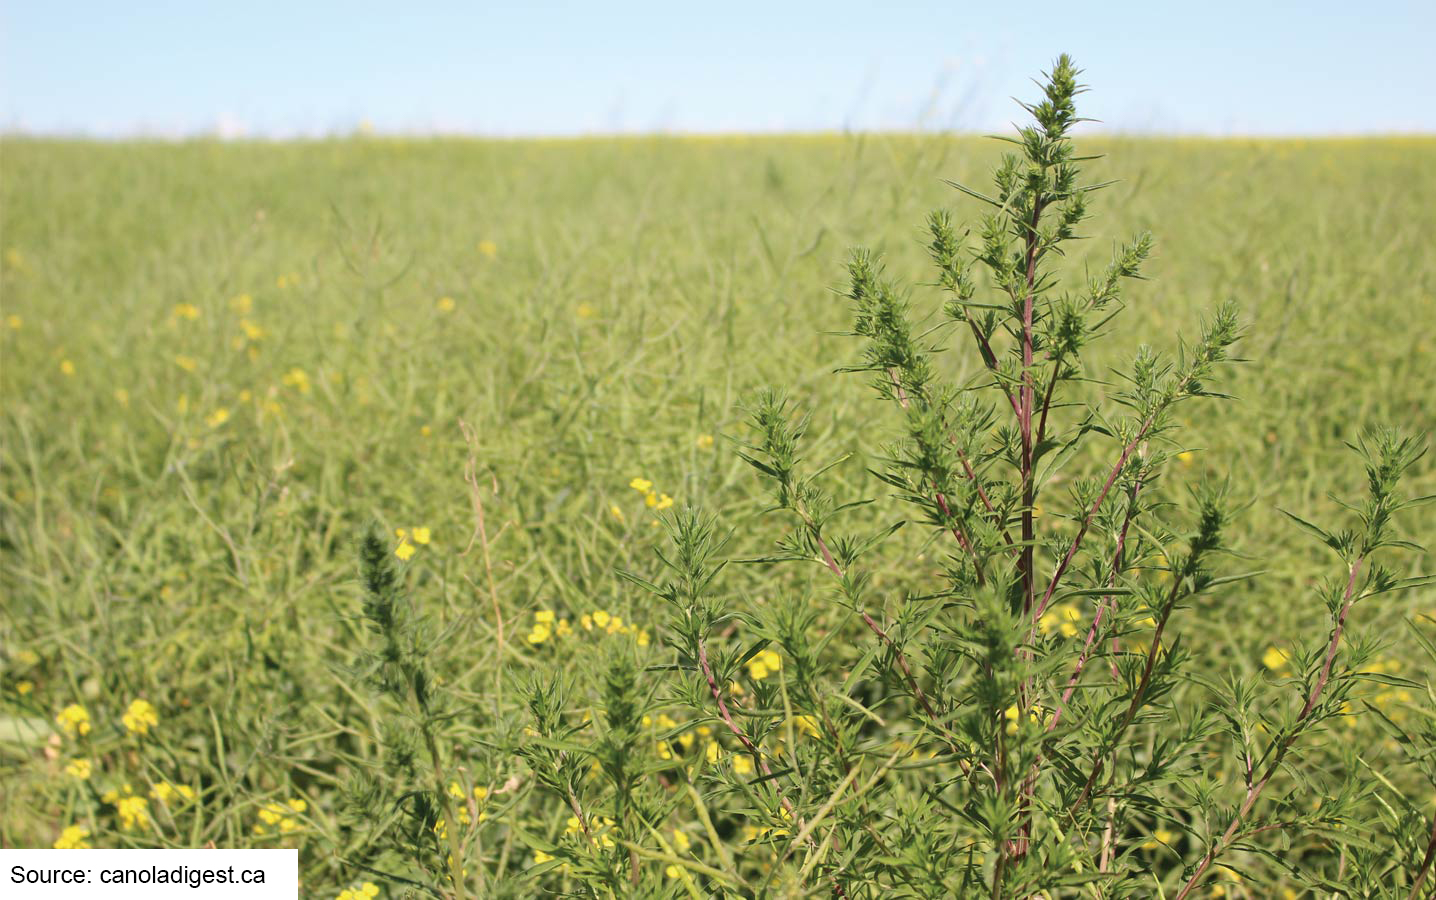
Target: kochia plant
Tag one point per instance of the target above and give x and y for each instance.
(1003, 708)
(1028, 720)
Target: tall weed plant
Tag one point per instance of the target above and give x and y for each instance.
(1022, 716)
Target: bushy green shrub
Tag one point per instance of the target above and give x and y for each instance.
(1026, 722)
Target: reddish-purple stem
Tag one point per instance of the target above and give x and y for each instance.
(1097, 616)
(1091, 514)
(1425, 863)
(1256, 789)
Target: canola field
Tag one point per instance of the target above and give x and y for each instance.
(221, 362)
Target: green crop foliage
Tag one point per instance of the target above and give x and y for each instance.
(429, 506)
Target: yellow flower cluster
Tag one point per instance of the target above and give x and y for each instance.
(1062, 617)
(687, 742)
(681, 843)
(297, 379)
(366, 891)
(276, 818)
(1037, 715)
(651, 498)
(140, 717)
(164, 792)
(753, 833)
(481, 796)
(132, 809)
(72, 837)
(79, 768)
(408, 540)
(704, 442)
(764, 663)
(1160, 837)
(74, 719)
(445, 304)
(547, 624)
(598, 826)
(185, 311)
(712, 751)
(1275, 659)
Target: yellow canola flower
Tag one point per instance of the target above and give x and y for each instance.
(806, 725)
(642, 485)
(763, 664)
(24, 687)
(405, 551)
(296, 378)
(445, 304)
(132, 810)
(742, 764)
(217, 418)
(1162, 836)
(1274, 659)
(1013, 716)
(422, 534)
(704, 442)
(616, 513)
(1062, 617)
(164, 792)
(251, 330)
(67, 367)
(14, 323)
(488, 249)
(601, 618)
(1186, 457)
(242, 304)
(277, 816)
(140, 717)
(72, 837)
(585, 311)
(186, 311)
(75, 719)
(78, 768)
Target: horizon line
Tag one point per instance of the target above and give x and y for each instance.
(361, 133)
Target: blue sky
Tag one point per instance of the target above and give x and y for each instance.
(268, 68)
